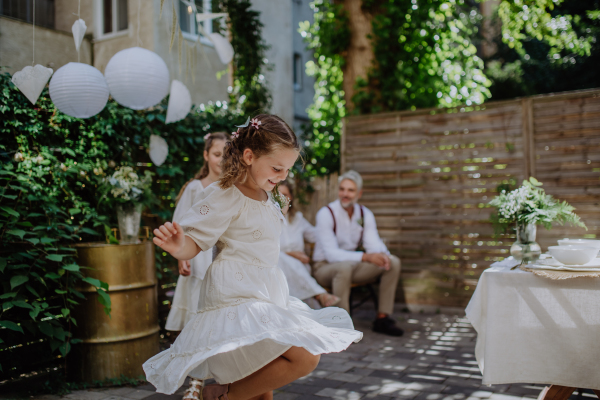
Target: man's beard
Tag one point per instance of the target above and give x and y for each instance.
(347, 203)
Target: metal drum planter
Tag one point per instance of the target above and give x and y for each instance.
(119, 344)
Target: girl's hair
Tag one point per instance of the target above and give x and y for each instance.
(209, 140)
(292, 210)
(263, 135)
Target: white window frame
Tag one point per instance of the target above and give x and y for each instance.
(206, 5)
(99, 21)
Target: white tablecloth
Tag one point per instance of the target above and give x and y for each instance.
(536, 330)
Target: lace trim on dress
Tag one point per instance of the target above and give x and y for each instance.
(237, 303)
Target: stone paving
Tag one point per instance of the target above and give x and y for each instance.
(434, 360)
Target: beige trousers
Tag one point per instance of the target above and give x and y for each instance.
(340, 276)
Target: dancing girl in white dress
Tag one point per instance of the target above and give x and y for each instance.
(191, 272)
(249, 334)
(293, 260)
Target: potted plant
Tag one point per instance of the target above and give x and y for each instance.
(523, 209)
(129, 192)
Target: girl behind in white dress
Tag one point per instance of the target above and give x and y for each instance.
(191, 272)
(249, 334)
(293, 261)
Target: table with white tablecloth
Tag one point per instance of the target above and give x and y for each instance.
(532, 329)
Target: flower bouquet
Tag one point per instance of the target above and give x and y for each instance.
(523, 209)
(129, 192)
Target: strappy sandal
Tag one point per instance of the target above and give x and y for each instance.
(215, 392)
(194, 392)
(328, 300)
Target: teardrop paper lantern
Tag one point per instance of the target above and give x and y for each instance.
(79, 90)
(180, 102)
(78, 30)
(32, 80)
(223, 47)
(159, 149)
(137, 78)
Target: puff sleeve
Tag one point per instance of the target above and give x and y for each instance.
(211, 215)
(187, 199)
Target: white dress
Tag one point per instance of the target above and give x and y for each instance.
(187, 291)
(302, 285)
(247, 318)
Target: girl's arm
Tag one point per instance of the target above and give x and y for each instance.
(171, 238)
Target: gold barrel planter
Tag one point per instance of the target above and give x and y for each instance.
(119, 344)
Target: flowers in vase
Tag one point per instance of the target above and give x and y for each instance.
(529, 204)
(126, 186)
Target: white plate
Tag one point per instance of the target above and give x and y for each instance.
(563, 268)
(595, 263)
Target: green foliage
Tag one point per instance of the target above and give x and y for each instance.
(424, 57)
(249, 91)
(527, 19)
(530, 204)
(328, 37)
(538, 67)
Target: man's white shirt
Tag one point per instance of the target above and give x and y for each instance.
(340, 246)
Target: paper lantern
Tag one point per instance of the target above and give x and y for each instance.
(79, 90)
(223, 47)
(159, 149)
(137, 78)
(78, 30)
(32, 80)
(180, 102)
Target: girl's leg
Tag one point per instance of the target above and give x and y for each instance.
(291, 365)
(264, 396)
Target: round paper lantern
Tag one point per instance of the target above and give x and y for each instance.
(78, 90)
(180, 102)
(159, 150)
(223, 47)
(137, 78)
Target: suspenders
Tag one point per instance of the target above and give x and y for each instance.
(362, 217)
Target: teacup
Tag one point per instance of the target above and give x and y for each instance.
(573, 254)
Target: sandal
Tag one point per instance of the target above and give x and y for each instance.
(215, 392)
(327, 299)
(194, 392)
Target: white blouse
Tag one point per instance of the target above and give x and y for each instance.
(296, 232)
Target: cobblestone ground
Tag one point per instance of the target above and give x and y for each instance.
(434, 360)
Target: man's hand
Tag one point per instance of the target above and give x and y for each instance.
(184, 267)
(299, 255)
(379, 259)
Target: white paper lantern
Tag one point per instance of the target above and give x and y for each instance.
(78, 30)
(180, 102)
(223, 47)
(159, 149)
(79, 90)
(32, 80)
(137, 78)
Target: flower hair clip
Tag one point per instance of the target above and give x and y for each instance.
(207, 136)
(255, 123)
(234, 135)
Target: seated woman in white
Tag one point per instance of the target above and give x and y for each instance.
(293, 261)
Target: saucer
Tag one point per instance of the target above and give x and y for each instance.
(552, 262)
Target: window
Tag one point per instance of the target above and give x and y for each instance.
(23, 10)
(187, 18)
(298, 71)
(114, 14)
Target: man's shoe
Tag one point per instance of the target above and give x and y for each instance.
(387, 326)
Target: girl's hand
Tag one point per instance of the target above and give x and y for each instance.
(184, 267)
(170, 237)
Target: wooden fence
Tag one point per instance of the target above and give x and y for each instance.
(429, 175)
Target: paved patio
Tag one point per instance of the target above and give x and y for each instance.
(434, 360)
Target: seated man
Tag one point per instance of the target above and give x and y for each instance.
(349, 250)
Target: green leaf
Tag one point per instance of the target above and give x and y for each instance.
(52, 275)
(12, 326)
(2, 264)
(74, 211)
(60, 291)
(34, 313)
(17, 280)
(46, 240)
(104, 299)
(55, 257)
(74, 323)
(93, 282)
(33, 240)
(59, 333)
(46, 328)
(17, 232)
(65, 312)
(32, 290)
(71, 267)
(22, 304)
(7, 295)
(7, 305)
(10, 211)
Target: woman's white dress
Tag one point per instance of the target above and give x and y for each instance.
(247, 318)
(187, 291)
(302, 285)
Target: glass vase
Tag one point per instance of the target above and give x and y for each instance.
(526, 248)
(130, 218)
